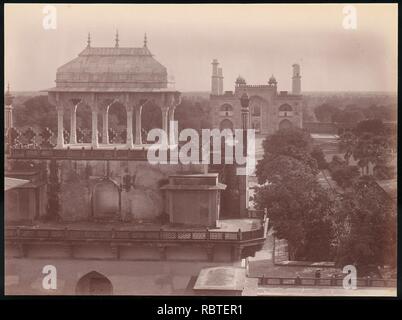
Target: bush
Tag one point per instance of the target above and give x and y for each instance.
(318, 155)
(345, 176)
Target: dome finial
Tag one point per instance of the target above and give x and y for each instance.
(117, 39)
(272, 81)
(145, 40)
(89, 40)
(240, 81)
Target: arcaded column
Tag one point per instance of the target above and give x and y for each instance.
(138, 125)
(60, 128)
(105, 126)
(172, 126)
(130, 143)
(165, 120)
(73, 125)
(95, 143)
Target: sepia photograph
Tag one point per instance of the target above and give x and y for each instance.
(200, 150)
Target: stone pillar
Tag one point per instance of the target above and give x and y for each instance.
(172, 129)
(95, 143)
(73, 125)
(138, 125)
(105, 125)
(60, 128)
(165, 120)
(130, 143)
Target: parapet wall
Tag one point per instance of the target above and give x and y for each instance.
(131, 192)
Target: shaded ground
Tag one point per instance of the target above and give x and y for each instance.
(262, 264)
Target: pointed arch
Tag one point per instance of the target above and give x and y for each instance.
(83, 122)
(285, 110)
(117, 122)
(226, 124)
(151, 117)
(285, 124)
(94, 283)
(106, 199)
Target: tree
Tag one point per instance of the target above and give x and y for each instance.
(276, 168)
(368, 226)
(369, 143)
(193, 113)
(375, 127)
(350, 114)
(347, 144)
(230, 196)
(292, 142)
(345, 176)
(371, 149)
(326, 112)
(383, 112)
(299, 209)
(36, 112)
(319, 156)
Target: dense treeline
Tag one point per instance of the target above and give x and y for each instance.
(328, 112)
(354, 227)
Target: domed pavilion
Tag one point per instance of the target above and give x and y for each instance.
(102, 76)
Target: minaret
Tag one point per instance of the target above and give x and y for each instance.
(8, 110)
(145, 41)
(117, 39)
(215, 78)
(220, 81)
(296, 79)
(89, 40)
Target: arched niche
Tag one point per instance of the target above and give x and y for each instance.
(226, 124)
(106, 200)
(94, 283)
(285, 110)
(257, 104)
(226, 110)
(285, 124)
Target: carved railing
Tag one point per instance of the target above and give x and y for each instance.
(29, 234)
(83, 154)
(325, 282)
(46, 139)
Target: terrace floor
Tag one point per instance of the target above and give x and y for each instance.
(225, 225)
(109, 146)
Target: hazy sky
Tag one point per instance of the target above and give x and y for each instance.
(252, 40)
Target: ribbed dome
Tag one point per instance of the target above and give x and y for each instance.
(113, 67)
(240, 80)
(272, 80)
